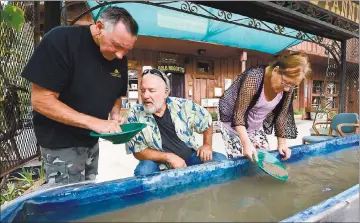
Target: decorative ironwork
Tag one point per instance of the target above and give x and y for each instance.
(324, 110)
(294, 6)
(279, 29)
(254, 23)
(224, 14)
(190, 7)
(332, 47)
(300, 35)
(333, 70)
(306, 8)
(318, 39)
(312, 12)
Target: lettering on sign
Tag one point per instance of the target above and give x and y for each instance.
(172, 68)
(346, 9)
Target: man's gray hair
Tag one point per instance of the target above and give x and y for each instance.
(112, 15)
(167, 82)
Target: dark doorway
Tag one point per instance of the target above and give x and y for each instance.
(177, 83)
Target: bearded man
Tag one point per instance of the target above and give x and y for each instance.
(168, 141)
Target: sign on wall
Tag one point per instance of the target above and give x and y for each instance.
(210, 102)
(171, 68)
(227, 83)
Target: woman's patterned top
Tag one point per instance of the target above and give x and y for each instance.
(242, 95)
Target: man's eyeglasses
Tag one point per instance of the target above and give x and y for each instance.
(155, 72)
(288, 85)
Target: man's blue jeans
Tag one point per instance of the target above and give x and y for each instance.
(148, 166)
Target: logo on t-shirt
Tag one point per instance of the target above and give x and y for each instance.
(116, 73)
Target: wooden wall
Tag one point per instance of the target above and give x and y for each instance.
(202, 88)
(315, 49)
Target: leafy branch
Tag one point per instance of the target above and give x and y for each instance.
(12, 15)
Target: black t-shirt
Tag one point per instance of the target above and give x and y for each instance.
(69, 62)
(170, 141)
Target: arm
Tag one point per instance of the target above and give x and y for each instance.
(152, 154)
(157, 156)
(50, 72)
(281, 141)
(116, 108)
(208, 134)
(205, 151)
(202, 124)
(246, 94)
(141, 151)
(285, 126)
(46, 102)
(115, 112)
(243, 135)
(284, 151)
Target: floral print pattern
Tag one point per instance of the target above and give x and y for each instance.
(233, 146)
(186, 115)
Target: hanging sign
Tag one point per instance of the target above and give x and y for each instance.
(171, 68)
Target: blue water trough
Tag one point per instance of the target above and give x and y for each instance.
(77, 201)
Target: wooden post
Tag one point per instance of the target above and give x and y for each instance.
(243, 59)
(37, 24)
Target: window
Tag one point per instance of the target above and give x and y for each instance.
(331, 88)
(296, 94)
(316, 101)
(330, 102)
(204, 67)
(317, 85)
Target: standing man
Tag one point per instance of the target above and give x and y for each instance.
(169, 140)
(78, 75)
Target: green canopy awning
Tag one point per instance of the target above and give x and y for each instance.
(157, 21)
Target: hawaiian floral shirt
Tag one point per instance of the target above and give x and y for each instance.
(186, 115)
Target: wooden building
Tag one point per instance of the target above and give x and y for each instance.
(203, 71)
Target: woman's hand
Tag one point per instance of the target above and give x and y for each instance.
(284, 151)
(249, 150)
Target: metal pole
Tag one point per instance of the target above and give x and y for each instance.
(52, 15)
(37, 24)
(342, 76)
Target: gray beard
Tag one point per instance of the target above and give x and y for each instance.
(153, 109)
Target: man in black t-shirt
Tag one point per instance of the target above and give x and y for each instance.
(78, 75)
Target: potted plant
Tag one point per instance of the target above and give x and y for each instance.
(321, 114)
(331, 115)
(298, 113)
(215, 122)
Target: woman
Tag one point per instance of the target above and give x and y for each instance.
(259, 100)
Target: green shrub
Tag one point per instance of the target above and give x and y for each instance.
(299, 111)
(321, 111)
(214, 116)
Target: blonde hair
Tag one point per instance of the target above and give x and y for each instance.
(292, 64)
